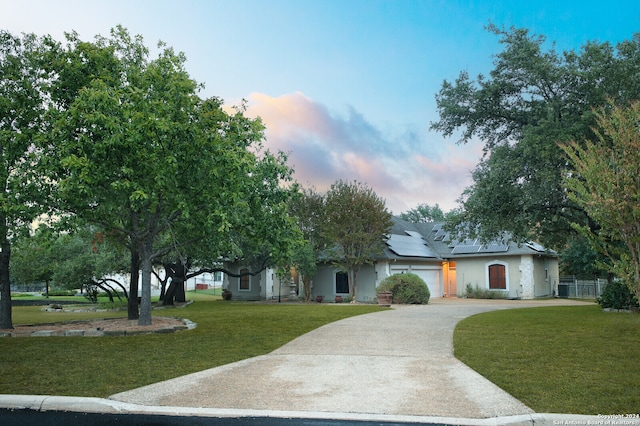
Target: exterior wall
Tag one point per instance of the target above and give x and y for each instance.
(233, 284)
(324, 283)
(527, 279)
(546, 275)
(528, 276)
(474, 271)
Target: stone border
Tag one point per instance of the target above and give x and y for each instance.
(187, 325)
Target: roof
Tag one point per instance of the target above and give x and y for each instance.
(432, 241)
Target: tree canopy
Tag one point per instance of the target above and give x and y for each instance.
(606, 183)
(355, 227)
(424, 213)
(23, 194)
(140, 154)
(533, 98)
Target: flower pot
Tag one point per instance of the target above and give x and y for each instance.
(338, 299)
(384, 299)
(226, 295)
(319, 299)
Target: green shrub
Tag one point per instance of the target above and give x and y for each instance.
(483, 293)
(617, 295)
(406, 288)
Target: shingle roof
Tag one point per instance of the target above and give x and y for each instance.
(431, 241)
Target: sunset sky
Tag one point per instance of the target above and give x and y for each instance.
(346, 87)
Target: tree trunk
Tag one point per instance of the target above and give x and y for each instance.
(354, 284)
(133, 309)
(170, 294)
(145, 302)
(178, 273)
(181, 296)
(5, 282)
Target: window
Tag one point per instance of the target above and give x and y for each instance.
(342, 283)
(497, 277)
(245, 280)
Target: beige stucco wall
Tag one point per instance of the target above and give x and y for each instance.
(474, 271)
(528, 276)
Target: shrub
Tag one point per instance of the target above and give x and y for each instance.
(617, 295)
(406, 288)
(483, 293)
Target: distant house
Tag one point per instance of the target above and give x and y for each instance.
(447, 266)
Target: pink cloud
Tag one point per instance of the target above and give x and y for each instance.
(325, 146)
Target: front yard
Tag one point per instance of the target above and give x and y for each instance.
(575, 359)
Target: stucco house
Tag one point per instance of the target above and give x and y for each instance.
(447, 266)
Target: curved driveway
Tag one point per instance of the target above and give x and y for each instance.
(395, 362)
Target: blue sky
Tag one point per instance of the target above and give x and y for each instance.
(346, 87)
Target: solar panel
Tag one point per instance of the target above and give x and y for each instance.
(535, 246)
(440, 234)
(475, 246)
(494, 248)
(464, 249)
(410, 246)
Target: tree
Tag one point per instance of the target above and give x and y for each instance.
(580, 259)
(532, 99)
(307, 209)
(355, 225)
(606, 183)
(424, 213)
(144, 157)
(22, 192)
(32, 258)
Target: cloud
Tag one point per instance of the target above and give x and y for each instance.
(402, 166)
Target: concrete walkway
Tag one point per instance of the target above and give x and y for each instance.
(394, 363)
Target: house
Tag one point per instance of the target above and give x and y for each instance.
(447, 266)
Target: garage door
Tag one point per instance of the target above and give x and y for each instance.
(429, 276)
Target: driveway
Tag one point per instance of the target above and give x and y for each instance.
(395, 362)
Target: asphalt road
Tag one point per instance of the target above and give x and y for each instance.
(65, 418)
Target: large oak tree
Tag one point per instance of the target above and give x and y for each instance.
(533, 98)
(144, 156)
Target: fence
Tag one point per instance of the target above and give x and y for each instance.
(574, 288)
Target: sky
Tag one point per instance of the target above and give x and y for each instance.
(345, 87)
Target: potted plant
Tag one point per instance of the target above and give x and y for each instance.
(384, 298)
(319, 299)
(226, 294)
(338, 299)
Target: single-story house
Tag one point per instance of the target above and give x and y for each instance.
(447, 266)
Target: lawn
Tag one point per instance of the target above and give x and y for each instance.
(101, 366)
(576, 359)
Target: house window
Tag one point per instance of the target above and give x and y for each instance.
(342, 283)
(497, 277)
(245, 280)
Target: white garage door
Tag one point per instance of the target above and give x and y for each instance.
(429, 276)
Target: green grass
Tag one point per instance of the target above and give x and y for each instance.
(101, 366)
(576, 359)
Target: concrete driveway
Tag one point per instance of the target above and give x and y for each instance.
(396, 362)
